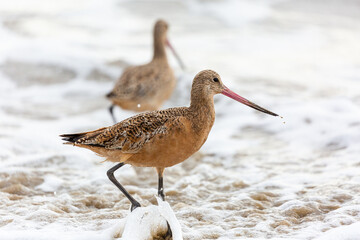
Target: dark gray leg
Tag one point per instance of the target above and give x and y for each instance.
(161, 188)
(110, 174)
(161, 194)
(111, 110)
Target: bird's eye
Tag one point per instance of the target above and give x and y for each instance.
(216, 80)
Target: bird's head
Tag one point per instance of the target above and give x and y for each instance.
(160, 34)
(209, 82)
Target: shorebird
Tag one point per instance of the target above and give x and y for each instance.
(146, 87)
(160, 138)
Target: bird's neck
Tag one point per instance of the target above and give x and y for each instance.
(159, 50)
(202, 110)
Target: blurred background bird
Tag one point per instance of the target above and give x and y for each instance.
(146, 87)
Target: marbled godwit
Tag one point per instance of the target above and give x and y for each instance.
(160, 138)
(146, 87)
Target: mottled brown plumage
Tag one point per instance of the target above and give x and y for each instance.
(146, 87)
(161, 138)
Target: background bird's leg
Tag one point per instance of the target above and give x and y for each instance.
(110, 174)
(111, 110)
(161, 185)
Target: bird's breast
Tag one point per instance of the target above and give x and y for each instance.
(171, 147)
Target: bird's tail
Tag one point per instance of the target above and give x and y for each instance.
(110, 95)
(72, 138)
(81, 138)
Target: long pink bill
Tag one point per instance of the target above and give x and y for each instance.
(176, 55)
(231, 94)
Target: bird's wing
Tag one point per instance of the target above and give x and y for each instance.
(136, 81)
(130, 135)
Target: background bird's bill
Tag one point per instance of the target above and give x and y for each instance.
(227, 92)
(176, 55)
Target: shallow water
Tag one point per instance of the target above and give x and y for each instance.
(256, 177)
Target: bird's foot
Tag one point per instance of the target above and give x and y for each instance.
(134, 206)
(161, 194)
